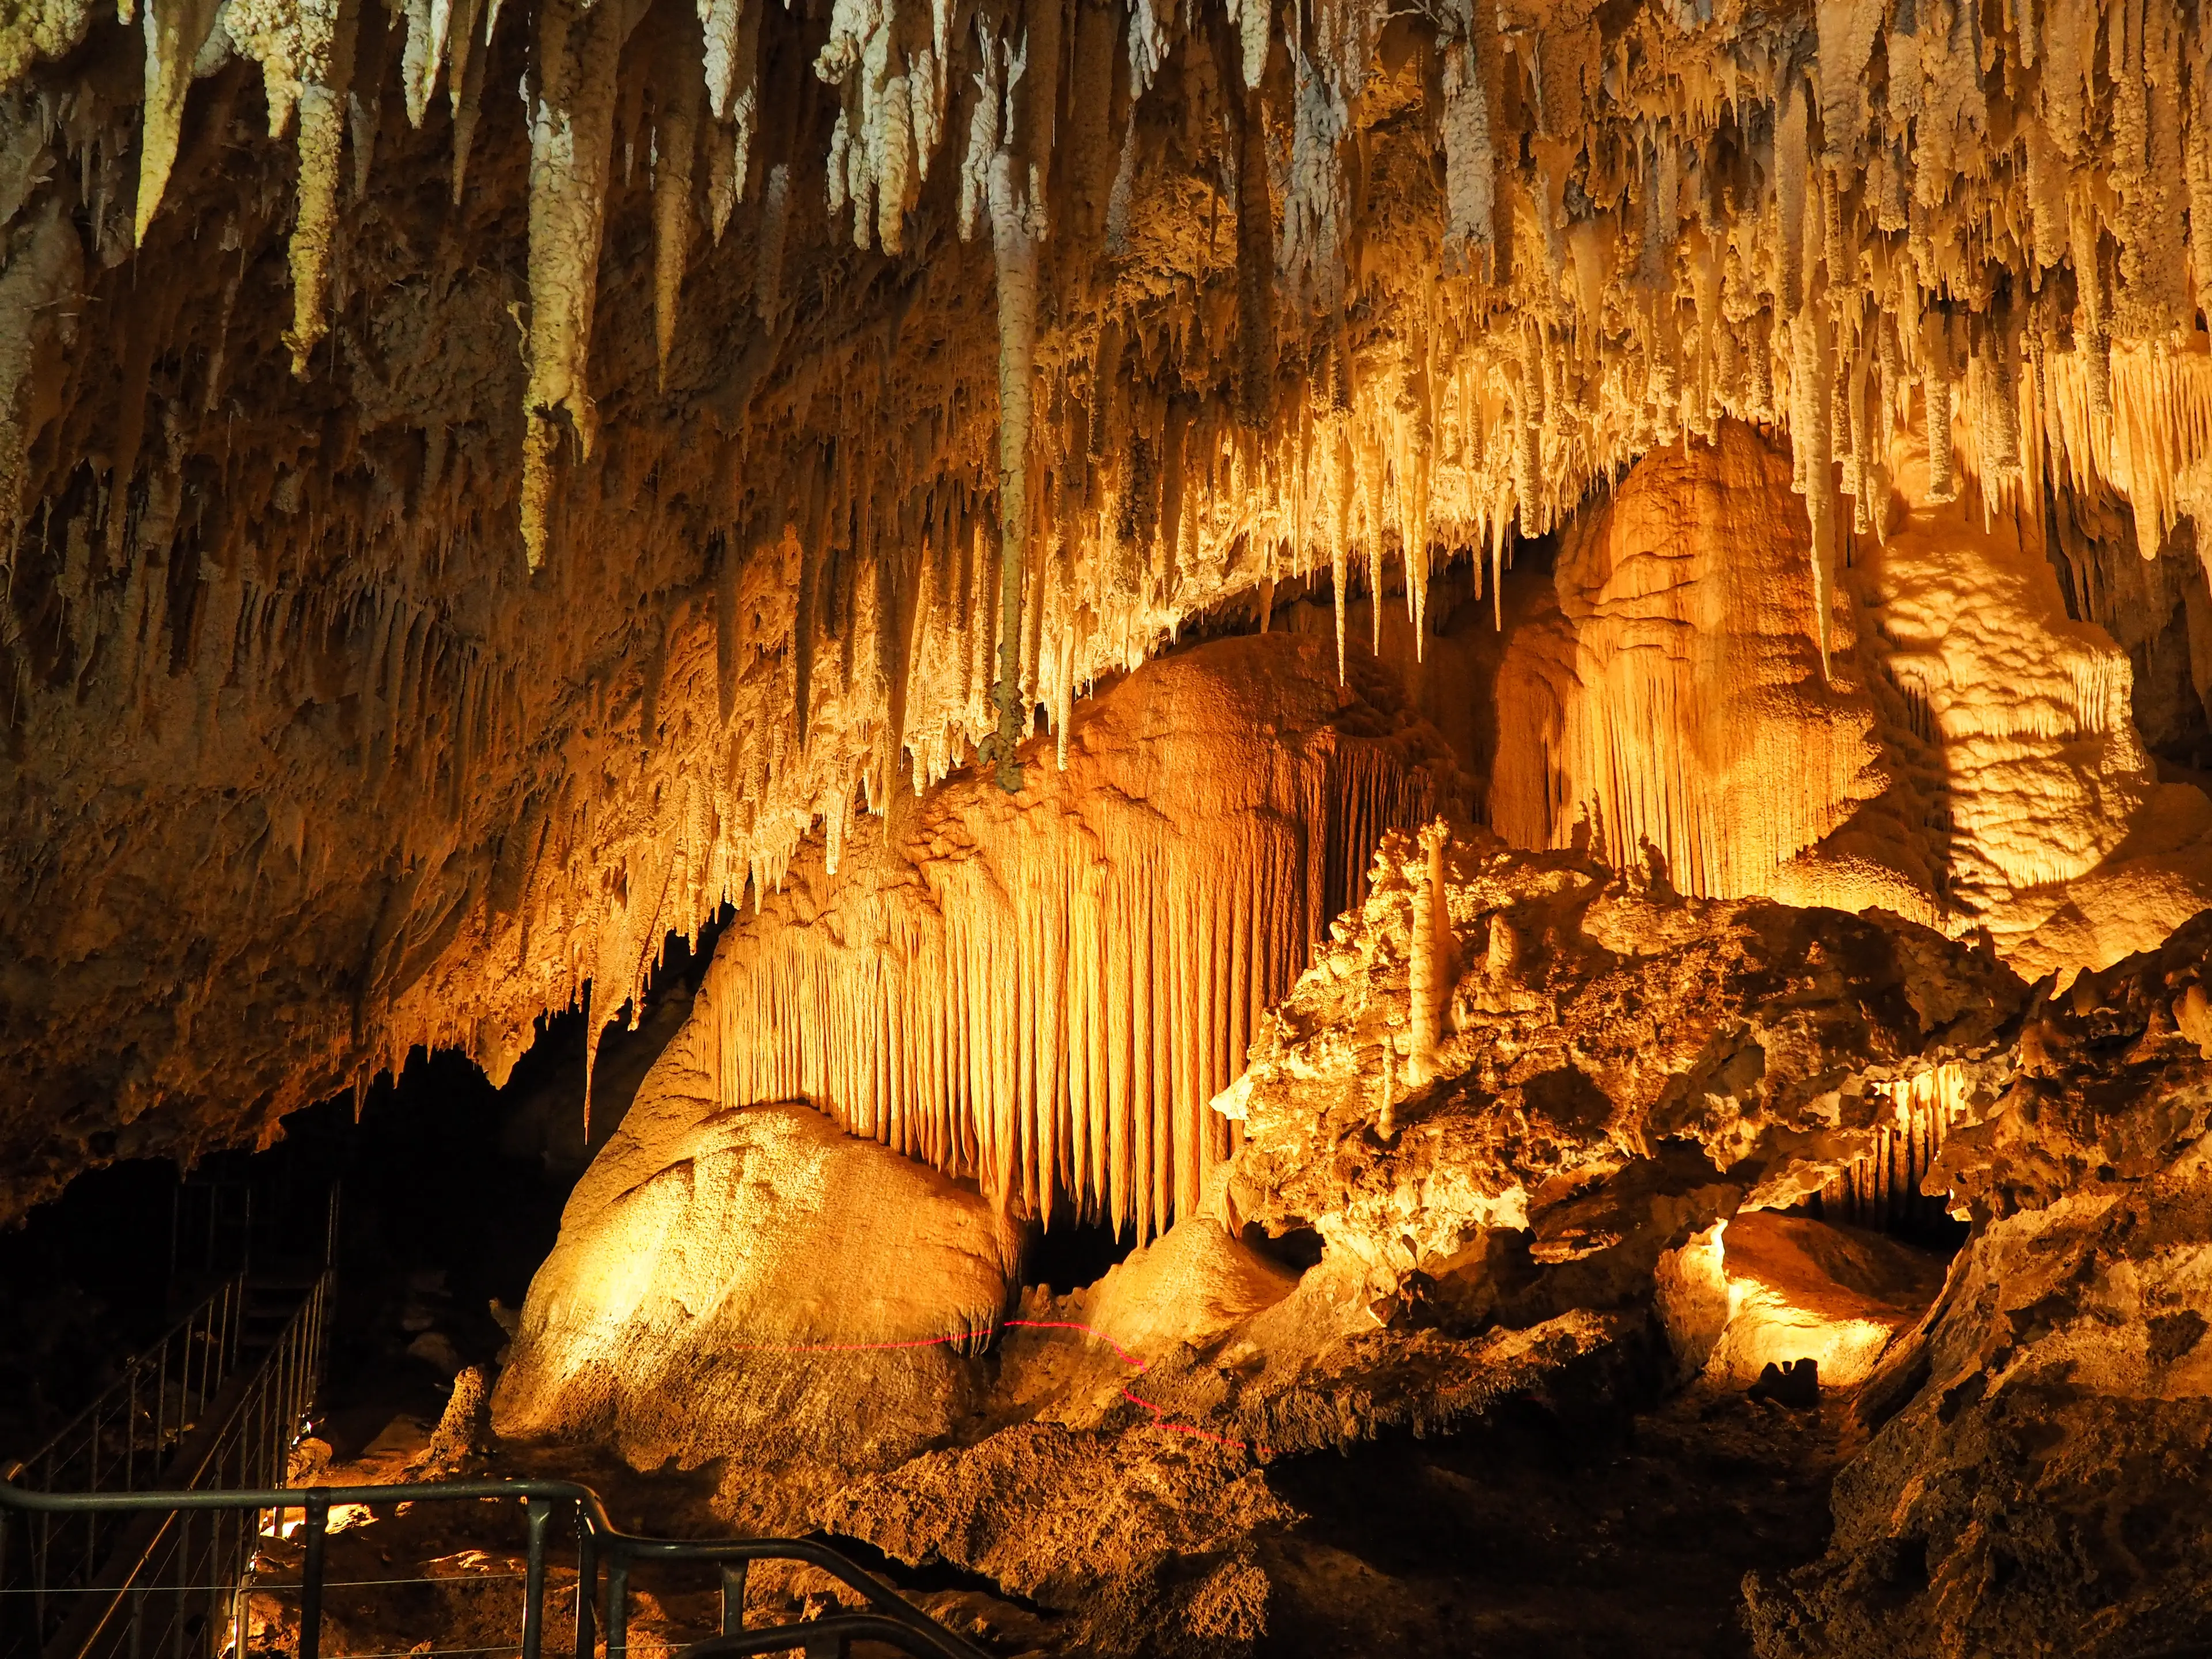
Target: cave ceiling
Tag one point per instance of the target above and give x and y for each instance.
(485, 481)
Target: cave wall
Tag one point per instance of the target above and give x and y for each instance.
(456, 540)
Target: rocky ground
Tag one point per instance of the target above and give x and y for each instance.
(1466, 1352)
(1539, 1533)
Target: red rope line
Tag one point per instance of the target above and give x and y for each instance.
(1159, 1413)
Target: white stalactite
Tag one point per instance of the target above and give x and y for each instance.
(571, 149)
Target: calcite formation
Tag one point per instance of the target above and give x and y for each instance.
(1043, 991)
(455, 540)
(763, 469)
(1690, 695)
(1624, 1089)
(1763, 1290)
(2039, 1471)
(1616, 1076)
(1616, 1067)
(1966, 753)
(757, 1281)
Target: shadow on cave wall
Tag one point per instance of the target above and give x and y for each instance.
(451, 1196)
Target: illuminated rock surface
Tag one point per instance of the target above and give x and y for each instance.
(486, 486)
(1970, 759)
(755, 1281)
(459, 538)
(1043, 991)
(1616, 1069)
(1775, 1290)
(2039, 1471)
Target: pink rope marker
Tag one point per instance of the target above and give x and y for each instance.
(1159, 1413)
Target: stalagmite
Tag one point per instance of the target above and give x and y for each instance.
(1429, 964)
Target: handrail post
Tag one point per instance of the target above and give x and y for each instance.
(317, 1525)
(733, 1595)
(618, 1606)
(241, 1597)
(537, 1514)
(587, 1584)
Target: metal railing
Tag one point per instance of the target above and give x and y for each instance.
(247, 1224)
(98, 1565)
(126, 1434)
(885, 1616)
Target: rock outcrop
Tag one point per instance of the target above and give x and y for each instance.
(1611, 1068)
(2038, 1481)
(757, 1281)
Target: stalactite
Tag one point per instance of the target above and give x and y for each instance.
(176, 30)
(1052, 1013)
(305, 50)
(1017, 219)
(676, 141)
(465, 81)
(1812, 422)
(571, 143)
(45, 264)
(1470, 161)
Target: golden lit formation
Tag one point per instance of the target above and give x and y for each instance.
(1477, 735)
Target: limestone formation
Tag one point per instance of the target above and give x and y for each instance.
(755, 1281)
(1964, 752)
(1763, 1289)
(1624, 1067)
(965, 499)
(384, 471)
(2038, 1475)
(1044, 990)
(1621, 1075)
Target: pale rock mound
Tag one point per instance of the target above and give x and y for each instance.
(756, 1280)
(1193, 1282)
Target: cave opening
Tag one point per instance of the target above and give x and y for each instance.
(1068, 1255)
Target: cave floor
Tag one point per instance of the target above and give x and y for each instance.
(1524, 1539)
(1525, 1536)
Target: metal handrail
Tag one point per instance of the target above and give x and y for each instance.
(888, 1618)
(110, 1552)
(207, 1332)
